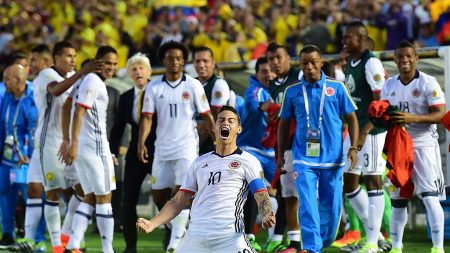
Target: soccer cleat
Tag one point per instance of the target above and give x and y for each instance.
(395, 250)
(384, 245)
(65, 239)
(350, 237)
(58, 249)
(437, 250)
(23, 245)
(42, 247)
(369, 248)
(289, 250)
(275, 246)
(251, 238)
(6, 242)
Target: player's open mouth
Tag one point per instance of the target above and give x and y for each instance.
(224, 133)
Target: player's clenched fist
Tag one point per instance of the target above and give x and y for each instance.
(144, 225)
(269, 220)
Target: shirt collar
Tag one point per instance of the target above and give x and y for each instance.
(319, 83)
(183, 78)
(416, 75)
(238, 151)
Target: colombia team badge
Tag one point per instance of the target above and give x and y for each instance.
(234, 165)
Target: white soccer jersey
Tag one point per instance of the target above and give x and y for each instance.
(416, 98)
(175, 106)
(48, 132)
(220, 185)
(220, 94)
(91, 94)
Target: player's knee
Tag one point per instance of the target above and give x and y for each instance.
(351, 182)
(103, 199)
(53, 195)
(373, 182)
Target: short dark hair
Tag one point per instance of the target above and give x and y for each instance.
(104, 50)
(273, 46)
(59, 47)
(405, 43)
(309, 49)
(18, 56)
(88, 60)
(328, 69)
(164, 48)
(359, 25)
(261, 60)
(231, 109)
(41, 49)
(204, 49)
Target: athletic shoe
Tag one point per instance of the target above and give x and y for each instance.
(6, 242)
(384, 245)
(251, 238)
(275, 246)
(58, 249)
(395, 250)
(65, 239)
(369, 248)
(350, 237)
(437, 250)
(42, 247)
(72, 251)
(23, 245)
(288, 250)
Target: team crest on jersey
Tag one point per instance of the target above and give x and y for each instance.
(377, 77)
(49, 176)
(89, 93)
(415, 93)
(261, 174)
(153, 180)
(330, 91)
(234, 165)
(185, 96)
(204, 98)
(435, 94)
(218, 94)
(350, 83)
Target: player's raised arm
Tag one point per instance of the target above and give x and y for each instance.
(170, 210)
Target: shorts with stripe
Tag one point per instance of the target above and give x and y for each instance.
(287, 180)
(426, 175)
(370, 157)
(70, 177)
(96, 173)
(236, 243)
(34, 169)
(52, 169)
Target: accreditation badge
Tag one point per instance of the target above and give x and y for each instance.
(8, 148)
(313, 142)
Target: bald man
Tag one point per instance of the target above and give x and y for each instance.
(18, 116)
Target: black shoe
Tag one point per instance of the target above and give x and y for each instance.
(166, 239)
(6, 242)
(130, 250)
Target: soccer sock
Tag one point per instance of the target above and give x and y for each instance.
(71, 208)
(33, 214)
(435, 216)
(385, 223)
(399, 218)
(294, 238)
(105, 224)
(359, 202)
(53, 219)
(79, 224)
(351, 216)
(271, 231)
(375, 212)
(179, 225)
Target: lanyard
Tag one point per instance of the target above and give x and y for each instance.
(16, 113)
(322, 102)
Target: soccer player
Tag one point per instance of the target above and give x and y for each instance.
(175, 98)
(280, 63)
(364, 77)
(90, 153)
(216, 89)
(317, 104)
(219, 181)
(422, 104)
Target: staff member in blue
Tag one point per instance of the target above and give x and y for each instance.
(317, 104)
(16, 145)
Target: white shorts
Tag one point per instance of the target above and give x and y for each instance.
(426, 175)
(237, 243)
(52, 169)
(34, 169)
(288, 188)
(370, 157)
(70, 177)
(96, 173)
(168, 174)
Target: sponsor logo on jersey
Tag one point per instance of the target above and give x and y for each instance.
(234, 165)
(393, 94)
(204, 166)
(218, 94)
(415, 93)
(160, 97)
(185, 96)
(330, 91)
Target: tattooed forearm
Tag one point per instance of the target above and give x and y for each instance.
(263, 201)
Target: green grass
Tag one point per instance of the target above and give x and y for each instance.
(415, 242)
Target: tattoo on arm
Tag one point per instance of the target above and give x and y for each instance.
(263, 200)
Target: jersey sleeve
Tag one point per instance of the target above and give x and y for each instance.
(346, 102)
(200, 100)
(255, 176)
(190, 183)
(86, 92)
(384, 91)
(434, 93)
(286, 111)
(220, 93)
(148, 107)
(375, 74)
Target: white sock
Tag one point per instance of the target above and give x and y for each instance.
(294, 235)
(271, 231)
(33, 213)
(71, 208)
(53, 220)
(105, 224)
(435, 216)
(178, 227)
(360, 203)
(375, 212)
(276, 237)
(399, 217)
(79, 225)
